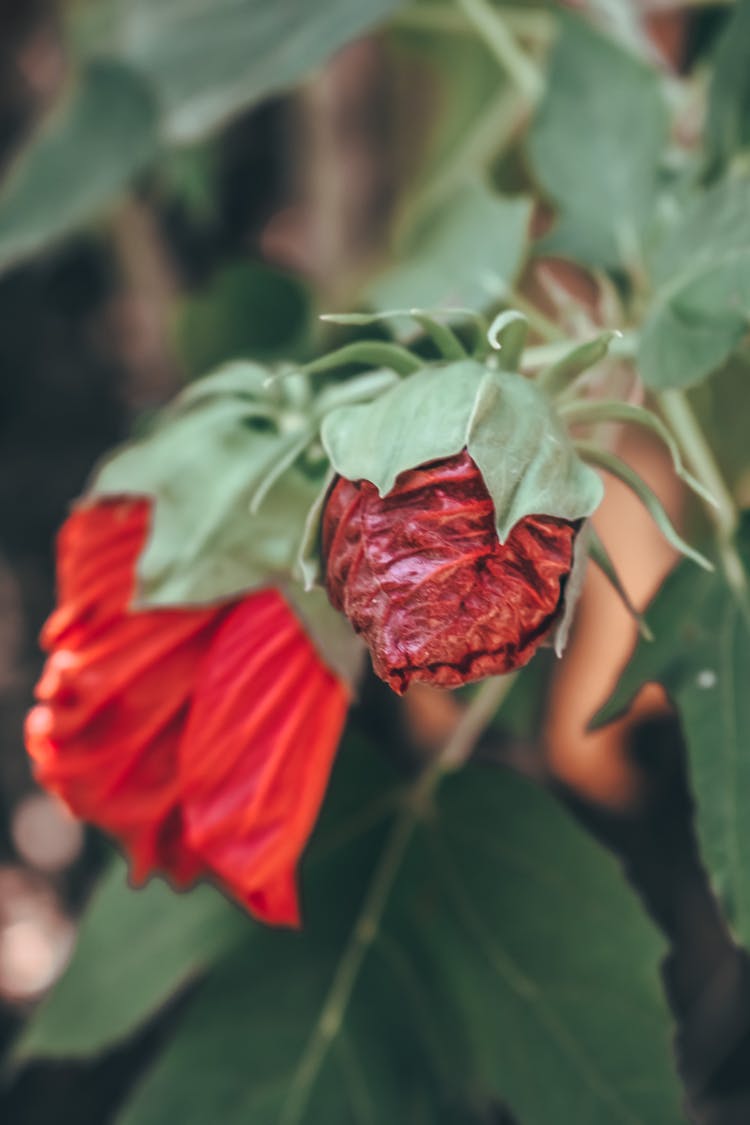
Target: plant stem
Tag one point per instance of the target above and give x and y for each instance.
(492, 131)
(493, 29)
(454, 754)
(699, 456)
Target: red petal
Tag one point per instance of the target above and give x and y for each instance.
(257, 752)
(116, 690)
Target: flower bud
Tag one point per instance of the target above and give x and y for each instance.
(422, 576)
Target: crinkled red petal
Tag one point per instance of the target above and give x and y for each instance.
(422, 576)
(257, 752)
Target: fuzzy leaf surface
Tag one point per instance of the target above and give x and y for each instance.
(701, 655)
(596, 144)
(502, 419)
(701, 275)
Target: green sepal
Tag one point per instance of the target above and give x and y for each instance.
(307, 562)
(367, 353)
(337, 643)
(507, 335)
(600, 555)
(560, 375)
(202, 463)
(651, 502)
(583, 413)
(504, 421)
(441, 334)
(558, 638)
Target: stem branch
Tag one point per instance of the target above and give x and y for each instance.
(493, 29)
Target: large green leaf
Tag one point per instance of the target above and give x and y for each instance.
(513, 963)
(701, 654)
(101, 135)
(596, 144)
(467, 253)
(135, 949)
(209, 59)
(701, 275)
(728, 125)
(505, 422)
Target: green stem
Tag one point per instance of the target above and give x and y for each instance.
(493, 29)
(492, 131)
(453, 755)
(699, 456)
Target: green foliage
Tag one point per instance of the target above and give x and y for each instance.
(511, 962)
(204, 461)
(700, 271)
(728, 125)
(208, 59)
(155, 70)
(135, 950)
(467, 252)
(103, 133)
(504, 421)
(596, 146)
(701, 655)
(509, 951)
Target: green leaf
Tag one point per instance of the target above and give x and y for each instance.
(701, 275)
(701, 655)
(728, 124)
(467, 253)
(513, 963)
(210, 59)
(595, 146)
(203, 464)
(77, 162)
(135, 949)
(505, 422)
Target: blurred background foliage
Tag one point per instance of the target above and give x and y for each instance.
(186, 181)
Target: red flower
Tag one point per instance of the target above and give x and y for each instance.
(201, 738)
(422, 575)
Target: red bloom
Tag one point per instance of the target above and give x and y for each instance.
(422, 575)
(201, 738)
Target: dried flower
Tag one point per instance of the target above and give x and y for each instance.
(423, 577)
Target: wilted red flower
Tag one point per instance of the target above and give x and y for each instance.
(201, 738)
(421, 574)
